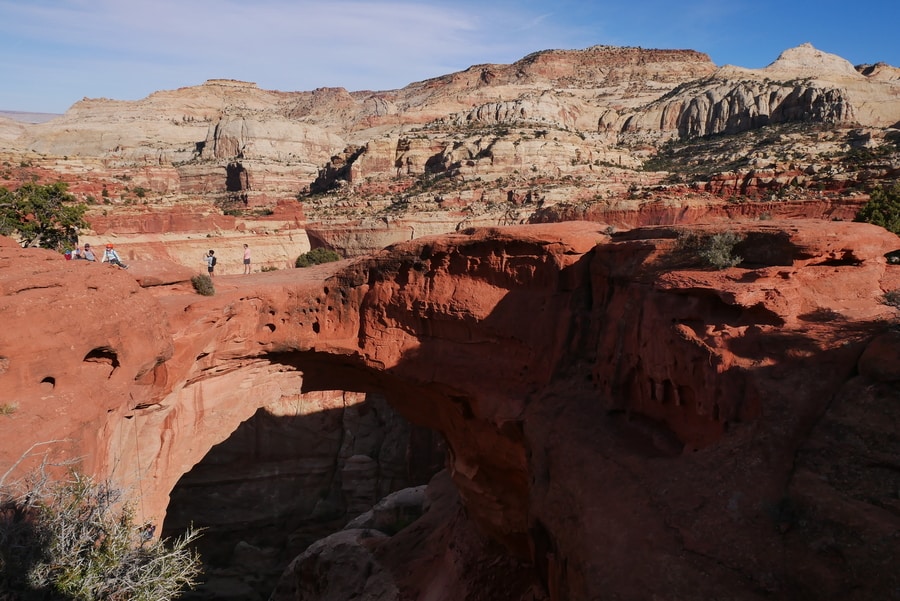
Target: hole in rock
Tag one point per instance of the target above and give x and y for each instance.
(105, 357)
(48, 384)
(298, 470)
(893, 257)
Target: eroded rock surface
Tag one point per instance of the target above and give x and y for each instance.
(627, 134)
(297, 471)
(622, 418)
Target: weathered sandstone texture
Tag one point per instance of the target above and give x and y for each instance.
(621, 420)
(296, 471)
(606, 133)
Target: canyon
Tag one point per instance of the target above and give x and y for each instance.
(522, 381)
(657, 428)
(640, 136)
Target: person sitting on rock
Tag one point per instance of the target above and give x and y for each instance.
(112, 257)
(87, 254)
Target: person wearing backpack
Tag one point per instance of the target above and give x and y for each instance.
(112, 257)
(210, 262)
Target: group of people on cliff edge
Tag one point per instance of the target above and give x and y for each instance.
(86, 253)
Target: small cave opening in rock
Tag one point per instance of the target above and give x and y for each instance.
(104, 357)
(295, 472)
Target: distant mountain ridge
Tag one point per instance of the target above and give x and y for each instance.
(624, 135)
(28, 117)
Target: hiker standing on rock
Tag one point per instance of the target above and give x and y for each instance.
(210, 262)
(246, 259)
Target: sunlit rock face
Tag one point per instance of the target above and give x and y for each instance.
(620, 418)
(556, 135)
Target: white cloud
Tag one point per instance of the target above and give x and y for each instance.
(57, 51)
(277, 43)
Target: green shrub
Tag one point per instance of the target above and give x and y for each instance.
(317, 256)
(203, 284)
(715, 250)
(718, 249)
(41, 215)
(882, 209)
(76, 540)
(8, 408)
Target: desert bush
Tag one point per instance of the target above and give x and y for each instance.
(882, 209)
(718, 250)
(891, 298)
(317, 256)
(77, 540)
(267, 268)
(8, 408)
(715, 250)
(203, 284)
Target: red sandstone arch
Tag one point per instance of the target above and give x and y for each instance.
(593, 400)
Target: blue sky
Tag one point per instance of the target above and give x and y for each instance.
(55, 52)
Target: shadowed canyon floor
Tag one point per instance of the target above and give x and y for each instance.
(622, 421)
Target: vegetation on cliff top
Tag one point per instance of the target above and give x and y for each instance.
(203, 284)
(715, 250)
(41, 215)
(77, 540)
(883, 208)
(317, 256)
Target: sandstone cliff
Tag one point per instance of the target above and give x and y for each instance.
(587, 130)
(732, 430)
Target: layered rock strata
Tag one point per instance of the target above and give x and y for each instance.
(490, 145)
(619, 416)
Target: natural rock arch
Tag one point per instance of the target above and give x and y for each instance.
(565, 370)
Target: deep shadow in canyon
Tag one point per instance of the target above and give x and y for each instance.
(281, 482)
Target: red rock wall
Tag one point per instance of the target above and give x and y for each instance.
(617, 413)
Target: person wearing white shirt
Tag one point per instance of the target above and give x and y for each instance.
(112, 257)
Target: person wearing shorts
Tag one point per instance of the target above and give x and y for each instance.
(210, 259)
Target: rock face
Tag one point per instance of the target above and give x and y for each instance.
(440, 556)
(296, 471)
(597, 394)
(559, 131)
(804, 84)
